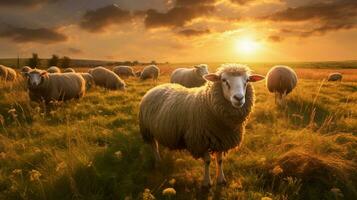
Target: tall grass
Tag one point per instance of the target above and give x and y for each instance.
(92, 149)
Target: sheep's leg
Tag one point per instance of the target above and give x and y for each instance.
(219, 169)
(155, 148)
(206, 178)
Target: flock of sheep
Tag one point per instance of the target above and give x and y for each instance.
(204, 113)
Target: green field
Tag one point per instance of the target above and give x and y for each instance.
(91, 148)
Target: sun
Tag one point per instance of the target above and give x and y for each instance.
(246, 46)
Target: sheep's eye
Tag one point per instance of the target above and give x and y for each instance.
(227, 84)
(224, 80)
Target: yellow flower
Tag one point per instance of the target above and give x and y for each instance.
(172, 182)
(35, 175)
(266, 198)
(147, 195)
(169, 192)
(277, 170)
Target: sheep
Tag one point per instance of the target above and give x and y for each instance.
(69, 70)
(335, 77)
(124, 71)
(47, 87)
(190, 77)
(281, 80)
(25, 69)
(138, 73)
(53, 69)
(7, 73)
(105, 78)
(202, 120)
(89, 80)
(151, 71)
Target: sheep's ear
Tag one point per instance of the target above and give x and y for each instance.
(212, 77)
(255, 78)
(197, 67)
(44, 73)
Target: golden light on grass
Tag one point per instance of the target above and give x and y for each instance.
(247, 46)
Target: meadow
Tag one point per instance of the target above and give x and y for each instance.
(91, 148)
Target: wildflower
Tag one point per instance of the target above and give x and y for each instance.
(277, 170)
(266, 198)
(12, 112)
(90, 164)
(17, 171)
(60, 166)
(35, 175)
(172, 182)
(2, 155)
(169, 192)
(147, 195)
(236, 184)
(118, 155)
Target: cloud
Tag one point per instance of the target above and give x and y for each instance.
(97, 20)
(242, 2)
(39, 35)
(175, 17)
(194, 2)
(193, 32)
(25, 3)
(73, 50)
(275, 38)
(323, 17)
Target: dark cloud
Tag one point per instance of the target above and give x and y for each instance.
(39, 35)
(25, 3)
(275, 38)
(193, 32)
(324, 17)
(242, 2)
(73, 50)
(97, 20)
(176, 17)
(194, 2)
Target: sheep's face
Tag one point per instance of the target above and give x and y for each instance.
(234, 85)
(35, 78)
(201, 70)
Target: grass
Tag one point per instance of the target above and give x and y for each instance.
(92, 149)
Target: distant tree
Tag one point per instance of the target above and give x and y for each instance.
(65, 62)
(54, 61)
(153, 62)
(34, 61)
(135, 62)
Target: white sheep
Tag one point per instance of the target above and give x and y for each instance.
(7, 73)
(151, 71)
(202, 120)
(190, 77)
(123, 71)
(47, 87)
(105, 78)
(54, 69)
(336, 76)
(69, 70)
(281, 80)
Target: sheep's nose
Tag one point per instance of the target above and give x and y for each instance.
(236, 97)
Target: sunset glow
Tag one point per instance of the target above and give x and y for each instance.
(247, 46)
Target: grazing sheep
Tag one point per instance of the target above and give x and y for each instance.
(69, 70)
(138, 73)
(281, 80)
(124, 71)
(190, 77)
(89, 80)
(7, 73)
(203, 120)
(335, 77)
(47, 87)
(53, 69)
(105, 78)
(25, 69)
(151, 71)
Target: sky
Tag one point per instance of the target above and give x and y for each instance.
(181, 30)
